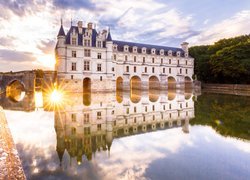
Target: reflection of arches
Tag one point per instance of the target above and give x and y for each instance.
(119, 83)
(153, 83)
(86, 91)
(153, 95)
(188, 83)
(135, 95)
(171, 94)
(15, 91)
(135, 83)
(171, 82)
(119, 96)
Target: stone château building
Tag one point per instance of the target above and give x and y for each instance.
(87, 59)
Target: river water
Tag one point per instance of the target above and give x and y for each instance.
(134, 135)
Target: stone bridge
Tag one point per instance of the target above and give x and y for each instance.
(17, 88)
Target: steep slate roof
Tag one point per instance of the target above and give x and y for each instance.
(61, 31)
(120, 44)
(139, 46)
(109, 38)
(80, 36)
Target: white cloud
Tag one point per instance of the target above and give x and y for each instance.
(239, 24)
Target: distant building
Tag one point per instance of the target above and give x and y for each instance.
(90, 59)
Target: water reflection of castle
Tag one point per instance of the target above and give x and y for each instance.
(83, 130)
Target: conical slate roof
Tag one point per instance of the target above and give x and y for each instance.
(61, 31)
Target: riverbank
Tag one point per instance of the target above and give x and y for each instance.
(234, 89)
(10, 164)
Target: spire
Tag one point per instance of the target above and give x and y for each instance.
(109, 38)
(61, 31)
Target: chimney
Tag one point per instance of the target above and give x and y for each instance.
(90, 25)
(184, 47)
(79, 24)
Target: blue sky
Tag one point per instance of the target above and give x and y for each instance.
(28, 28)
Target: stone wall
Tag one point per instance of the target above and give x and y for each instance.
(10, 164)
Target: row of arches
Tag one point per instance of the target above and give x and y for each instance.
(153, 82)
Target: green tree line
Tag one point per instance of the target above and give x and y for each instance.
(226, 61)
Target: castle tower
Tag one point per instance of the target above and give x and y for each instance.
(60, 51)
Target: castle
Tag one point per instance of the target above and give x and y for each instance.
(91, 60)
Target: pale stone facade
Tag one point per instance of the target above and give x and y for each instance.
(84, 54)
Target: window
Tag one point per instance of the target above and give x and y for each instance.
(143, 59)
(153, 69)
(186, 62)
(127, 68)
(73, 53)
(86, 118)
(86, 130)
(113, 69)
(126, 58)
(73, 41)
(99, 44)
(170, 106)
(169, 61)
(99, 55)
(134, 68)
(73, 131)
(100, 78)
(114, 56)
(86, 42)
(126, 121)
(161, 60)
(164, 107)
(169, 70)
(186, 113)
(134, 58)
(181, 106)
(186, 104)
(186, 71)
(127, 110)
(180, 71)
(146, 108)
(153, 107)
(145, 69)
(99, 127)
(163, 70)
(153, 117)
(99, 115)
(99, 67)
(178, 62)
(73, 66)
(135, 120)
(72, 76)
(86, 66)
(73, 117)
(135, 109)
(87, 52)
(153, 60)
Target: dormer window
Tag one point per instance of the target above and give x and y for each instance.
(135, 49)
(144, 50)
(99, 44)
(86, 42)
(115, 47)
(169, 53)
(126, 48)
(162, 52)
(73, 41)
(153, 51)
(178, 53)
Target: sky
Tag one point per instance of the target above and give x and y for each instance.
(28, 28)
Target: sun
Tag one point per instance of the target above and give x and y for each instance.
(47, 60)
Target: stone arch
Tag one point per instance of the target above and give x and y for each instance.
(135, 83)
(86, 91)
(119, 83)
(15, 91)
(153, 83)
(188, 83)
(171, 82)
